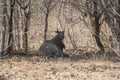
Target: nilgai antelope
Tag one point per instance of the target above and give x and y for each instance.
(53, 47)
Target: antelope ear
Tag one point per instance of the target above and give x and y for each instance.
(56, 31)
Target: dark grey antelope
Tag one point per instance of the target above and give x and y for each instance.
(53, 47)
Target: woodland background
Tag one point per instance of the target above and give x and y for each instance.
(91, 27)
(88, 24)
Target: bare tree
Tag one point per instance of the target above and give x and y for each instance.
(17, 28)
(10, 27)
(48, 5)
(4, 26)
(90, 8)
(95, 18)
(25, 6)
(110, 13)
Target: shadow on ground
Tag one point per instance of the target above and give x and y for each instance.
(73, 56)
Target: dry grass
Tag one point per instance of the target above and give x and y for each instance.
(76, 67)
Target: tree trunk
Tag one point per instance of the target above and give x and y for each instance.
(118, 19)
(95, 19)
(27, 22)
(17, 32)
(118, 24)
(46, 26)
(97, 36)
(27, 18)
(4, 27)
(97, 29)
(10, 28)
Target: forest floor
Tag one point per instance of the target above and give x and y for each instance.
(84, 66)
